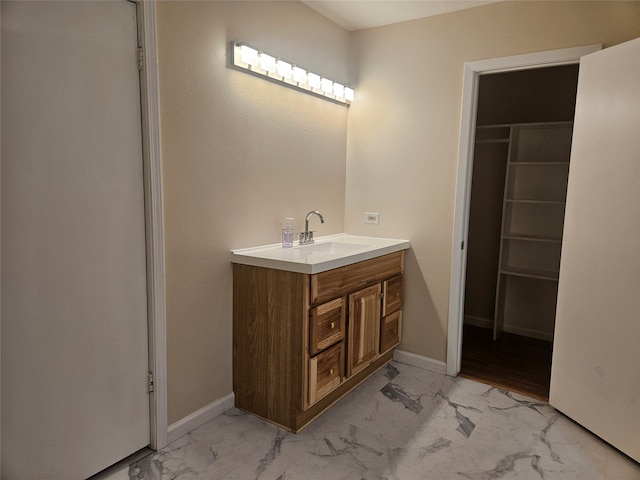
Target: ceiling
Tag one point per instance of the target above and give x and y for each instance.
(359, 14)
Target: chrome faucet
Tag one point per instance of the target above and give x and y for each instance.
(306, 237)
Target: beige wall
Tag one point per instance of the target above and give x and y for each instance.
(239, 154)
(404, 128)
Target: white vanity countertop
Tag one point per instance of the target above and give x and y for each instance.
(332, 251)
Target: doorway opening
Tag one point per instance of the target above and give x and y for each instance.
(522, 145)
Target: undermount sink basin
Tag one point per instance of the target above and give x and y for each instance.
(331, 247)
(326, 253)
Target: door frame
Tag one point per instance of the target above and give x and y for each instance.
(152, 160)
(471, 82)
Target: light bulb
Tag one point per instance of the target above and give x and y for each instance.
(327, 85)
(284, 69)
(349, 94)
(249, 55)
(314, 80)
(300, 75)
(267, 63)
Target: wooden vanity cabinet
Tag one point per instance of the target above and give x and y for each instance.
(301, 342)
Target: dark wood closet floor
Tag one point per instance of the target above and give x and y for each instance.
(515, 363)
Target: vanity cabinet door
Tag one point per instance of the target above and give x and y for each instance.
(327, 325)
(392, 299)
(364, 328)
(391, 322)
(390, 331)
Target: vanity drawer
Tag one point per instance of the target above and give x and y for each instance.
(325, 372)
(340, 281)
(392, 299)
(326, 325)
(390, 331)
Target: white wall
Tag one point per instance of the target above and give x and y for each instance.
(405, 124)
(239, 154)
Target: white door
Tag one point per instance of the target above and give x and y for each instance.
(74, 318)
(596, 361)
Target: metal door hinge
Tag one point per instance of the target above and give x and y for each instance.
(140, 59)
(150, 382)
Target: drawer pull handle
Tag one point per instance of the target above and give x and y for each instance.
(333, 325)
(331, 370)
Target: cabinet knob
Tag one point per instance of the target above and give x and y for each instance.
(331, 370)
(333, 325)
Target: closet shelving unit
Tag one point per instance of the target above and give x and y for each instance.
(532, 214)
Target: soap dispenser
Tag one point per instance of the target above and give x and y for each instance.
(287, 233)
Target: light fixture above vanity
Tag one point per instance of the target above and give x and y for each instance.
(256, 61)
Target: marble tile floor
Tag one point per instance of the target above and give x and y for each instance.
(403, 423)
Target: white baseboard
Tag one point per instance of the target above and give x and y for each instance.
(529, 332)
(200, 417)
(478, 321)
(420, 361)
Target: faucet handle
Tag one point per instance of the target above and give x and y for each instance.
(306, 237)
